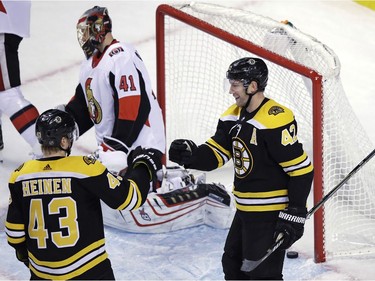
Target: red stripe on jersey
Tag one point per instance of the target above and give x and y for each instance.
(24, 118)
(2, 8)
(129, 108)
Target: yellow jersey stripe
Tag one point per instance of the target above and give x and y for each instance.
(15, 226)
(72, 259)
(74, 273)
(220, 161)
(295, 161)
(219, 147)
(261, 208)
(139, 196)
(13, 240)
(266, 194)
(300, 172)
(129, 197)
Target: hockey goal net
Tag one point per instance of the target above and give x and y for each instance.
(195, 45)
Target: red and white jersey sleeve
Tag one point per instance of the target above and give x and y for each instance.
(120, 99)
(15, 17)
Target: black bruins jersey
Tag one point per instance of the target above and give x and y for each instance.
(55, 212)
(271, 168)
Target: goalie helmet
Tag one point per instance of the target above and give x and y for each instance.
(247, 70)
(54, 124)
(92, 27)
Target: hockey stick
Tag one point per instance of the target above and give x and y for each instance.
(337, 187)
(1, 142)
(249, 265)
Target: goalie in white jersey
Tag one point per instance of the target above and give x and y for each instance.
(114, 93)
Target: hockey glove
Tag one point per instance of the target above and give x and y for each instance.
(291, 224)
(23, 256)
(150, 157)
(181, 152)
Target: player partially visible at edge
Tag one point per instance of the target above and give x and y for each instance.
(272, 172)
(14, 26)
(114, 93)
(54, 218)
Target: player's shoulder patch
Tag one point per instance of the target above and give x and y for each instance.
(16, 173)
(231, 114)
(89, 160)
(275, 109)
(20, 167)
(274, 115)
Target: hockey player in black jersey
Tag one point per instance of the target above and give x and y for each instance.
(272, 172)
(54, 219)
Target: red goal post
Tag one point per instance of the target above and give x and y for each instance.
(195, 45)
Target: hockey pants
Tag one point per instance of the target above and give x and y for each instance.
(249, 239)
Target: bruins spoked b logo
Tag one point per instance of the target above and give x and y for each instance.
(243, 160)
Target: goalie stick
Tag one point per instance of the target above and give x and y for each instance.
(249, 265)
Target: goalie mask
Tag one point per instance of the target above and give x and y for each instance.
(54, 124)
(247, 70)
(92, 27)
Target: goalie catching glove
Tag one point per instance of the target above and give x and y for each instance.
(112, 153)
(115, 161)
(181, 152)
(150, 157)
(291, 224)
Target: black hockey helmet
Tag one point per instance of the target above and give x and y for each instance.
(54, 124)
(247, 70)
(92, 27)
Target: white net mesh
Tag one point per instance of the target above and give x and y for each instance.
(195, 67)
